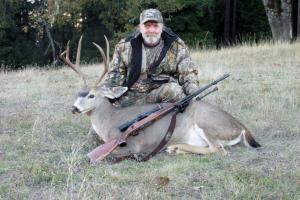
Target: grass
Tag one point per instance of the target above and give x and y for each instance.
(43, 146)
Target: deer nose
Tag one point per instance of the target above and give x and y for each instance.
(75, 110)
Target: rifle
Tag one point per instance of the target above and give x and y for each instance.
(104, 150)
(124, 126)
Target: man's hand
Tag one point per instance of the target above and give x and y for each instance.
(192, 88)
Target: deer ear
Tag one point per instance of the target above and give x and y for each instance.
(119, 91)
(114, 92)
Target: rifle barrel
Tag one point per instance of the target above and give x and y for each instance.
(124, 126)
(191, 96)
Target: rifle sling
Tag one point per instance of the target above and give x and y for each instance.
(163, 142)
(166, 138)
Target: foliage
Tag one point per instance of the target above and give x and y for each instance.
(34, 23)
(17, 39)
(245, 14)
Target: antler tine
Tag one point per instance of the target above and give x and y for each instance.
(65, 57)
(102, 54)
(78, 52)
(105, 60)
(107, 53)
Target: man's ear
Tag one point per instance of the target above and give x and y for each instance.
(138, 27)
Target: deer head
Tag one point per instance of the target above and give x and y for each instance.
(91, 97)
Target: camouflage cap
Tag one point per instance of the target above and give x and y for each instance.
(151, 15)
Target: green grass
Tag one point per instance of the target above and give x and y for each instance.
(43, 146)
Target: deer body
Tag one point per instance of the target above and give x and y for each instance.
(202, 128)
(200, 125)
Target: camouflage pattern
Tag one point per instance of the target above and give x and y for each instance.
(177, 66)
(151, 15)
(168, 92)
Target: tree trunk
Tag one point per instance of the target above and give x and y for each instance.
(233, 27)
(279, 15)
(227, 23)
(230, 22)
(298, 22)
(49, 36)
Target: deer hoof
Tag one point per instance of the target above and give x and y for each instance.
(172, 149)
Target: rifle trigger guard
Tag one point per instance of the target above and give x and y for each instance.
(182, 107)
(123, 144)
(135, 133)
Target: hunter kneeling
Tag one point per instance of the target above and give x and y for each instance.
(153, 65)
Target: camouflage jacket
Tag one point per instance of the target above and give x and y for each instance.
(176, 65)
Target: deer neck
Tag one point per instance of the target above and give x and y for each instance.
(101, 118)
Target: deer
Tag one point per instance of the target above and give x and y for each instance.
(202, 128)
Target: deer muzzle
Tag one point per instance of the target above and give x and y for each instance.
(75, 110)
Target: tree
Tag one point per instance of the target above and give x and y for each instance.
(17, 38)
(40, 16)
(279, 13)
(298, 21)
(35, 31)
(229, 22)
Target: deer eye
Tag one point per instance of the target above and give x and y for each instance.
(91, 96)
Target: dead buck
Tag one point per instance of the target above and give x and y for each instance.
(201, 129)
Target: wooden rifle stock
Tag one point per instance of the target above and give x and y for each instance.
(102, 151)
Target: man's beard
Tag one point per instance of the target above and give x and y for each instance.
(151, 40)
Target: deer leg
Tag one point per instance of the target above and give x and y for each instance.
(190, 146)
(187, 148)
(214, 145)
(222, 150)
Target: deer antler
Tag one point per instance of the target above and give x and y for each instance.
(65, 57)
(105, 59)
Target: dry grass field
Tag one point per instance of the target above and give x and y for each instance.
(43, 146)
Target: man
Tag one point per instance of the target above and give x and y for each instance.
(153, 65)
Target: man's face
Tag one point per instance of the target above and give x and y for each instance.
(151, 32)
